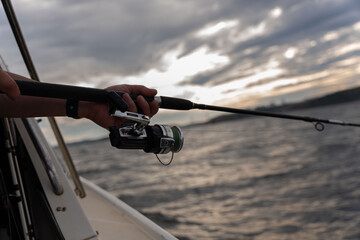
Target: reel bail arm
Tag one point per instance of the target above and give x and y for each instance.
(141, 120)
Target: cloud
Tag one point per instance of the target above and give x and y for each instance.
(298, 24)
(246, 46)
(305, 39)
(86, 38)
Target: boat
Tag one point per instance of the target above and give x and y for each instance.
(43, 198)
(40, 202)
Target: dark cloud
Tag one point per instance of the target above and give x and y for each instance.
(117, 37)
(300, 23)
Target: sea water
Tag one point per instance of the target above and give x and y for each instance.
(256, 178)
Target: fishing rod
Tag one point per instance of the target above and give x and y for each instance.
(100, 95)
(137, 133)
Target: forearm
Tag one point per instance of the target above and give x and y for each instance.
(26, 106)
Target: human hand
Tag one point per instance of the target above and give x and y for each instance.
(9, 86)
(99, 112)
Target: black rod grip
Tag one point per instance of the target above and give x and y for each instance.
(176, 103)
(50, 90)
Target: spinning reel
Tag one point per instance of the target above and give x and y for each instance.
(138, 134)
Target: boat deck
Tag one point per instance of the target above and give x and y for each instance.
(113, 219)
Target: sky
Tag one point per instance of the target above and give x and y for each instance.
(237, 53)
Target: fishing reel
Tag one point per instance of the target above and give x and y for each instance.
(138, 134)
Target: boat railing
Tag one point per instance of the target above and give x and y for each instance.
(10, 13)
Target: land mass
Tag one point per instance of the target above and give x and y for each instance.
(330, 99)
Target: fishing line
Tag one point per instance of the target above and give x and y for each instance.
(163, 163)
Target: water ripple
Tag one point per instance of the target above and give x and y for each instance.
(266, 179)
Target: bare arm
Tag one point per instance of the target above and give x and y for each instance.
(25, 106)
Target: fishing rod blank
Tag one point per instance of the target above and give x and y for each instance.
(183, 104)
(40, 89)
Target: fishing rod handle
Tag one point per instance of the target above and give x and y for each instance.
(51, 90)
